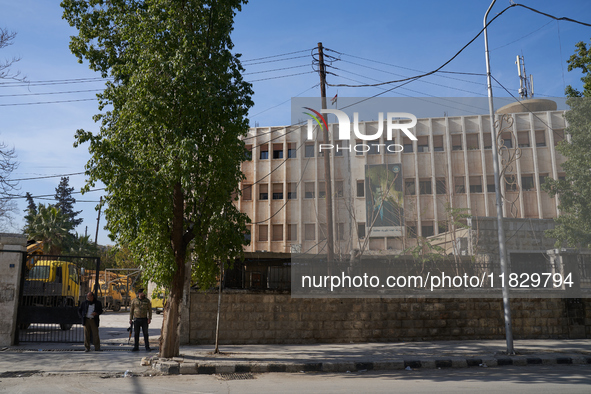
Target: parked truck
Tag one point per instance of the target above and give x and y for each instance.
(52, 283)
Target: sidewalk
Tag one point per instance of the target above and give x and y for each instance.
(59, 358)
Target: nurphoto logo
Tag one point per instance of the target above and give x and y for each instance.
(345, 129)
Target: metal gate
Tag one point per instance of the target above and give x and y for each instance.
(52, 288)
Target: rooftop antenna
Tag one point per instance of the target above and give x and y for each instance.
(526, 86)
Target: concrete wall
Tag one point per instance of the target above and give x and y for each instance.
(277, 318)
(10, 267)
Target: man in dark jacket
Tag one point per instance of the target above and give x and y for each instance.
(89, 311)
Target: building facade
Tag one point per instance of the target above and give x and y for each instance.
(447, 170)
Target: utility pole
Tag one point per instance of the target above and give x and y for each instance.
(499, 200)
(327, 177)
(98, 220)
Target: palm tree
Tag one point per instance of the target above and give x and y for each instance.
(49, 225)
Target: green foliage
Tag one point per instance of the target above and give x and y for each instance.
(169, 150)
(117, 257)
(573, 226)
(65, 201)
(81, 245)
(49, 225)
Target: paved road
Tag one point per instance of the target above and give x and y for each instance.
(530, 379)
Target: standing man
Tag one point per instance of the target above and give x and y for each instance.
(140, 315)
(89, 311)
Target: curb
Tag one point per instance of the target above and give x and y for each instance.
(177, 366)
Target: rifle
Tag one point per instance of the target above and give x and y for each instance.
(130, 329)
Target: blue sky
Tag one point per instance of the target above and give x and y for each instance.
(398, 38)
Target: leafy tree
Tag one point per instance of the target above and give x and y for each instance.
(573, 226)
(169, 151)
(81, 245)
(51, 226)
(65, 201)
(31, 206)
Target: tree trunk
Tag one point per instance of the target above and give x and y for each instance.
(170, 338)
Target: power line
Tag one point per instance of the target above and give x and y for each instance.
(41, 94)
(276, 69)
(459, 52)
(282, 76)
(275, 106)
(45, 177)
(521, 38)
(15, 197)
(47, 102)
(270, 57)
(277, 60)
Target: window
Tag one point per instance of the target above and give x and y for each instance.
(487, 141)
(437, 143)
(442, 226)
(423, 144)
(360, 188)
(358, 148)
(411, 230)
(278, 191)
(425, 186)
(409, 187)
(277, 151)
(263, 232)
(340, 147)
(523, 139)
(427, 230)
(361, 230)
(561, 176)
(527, 183)
(542, 179)
(456, 142)
(440, 186)
(292, 232)
(310, 232)
(277, 232)
(558, 136)
(292, 151)
(374, 148)
(472, 141)
(475, 184)
(321, 189)
(309, 190)
(407, 145)
(391, 147)
(507, 140)
(263, 191)
(510, 183)
(459, 185)
(540, 138)
(338, 185)
(292, 193)
(490, 184)
(309, 149)
(248, 152)
(264, 152)
(246, 192)
(248, 234)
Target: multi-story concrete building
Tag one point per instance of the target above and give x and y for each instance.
(448, 166)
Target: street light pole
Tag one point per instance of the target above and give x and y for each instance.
(499, 201)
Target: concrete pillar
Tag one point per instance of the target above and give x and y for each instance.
(11, 268)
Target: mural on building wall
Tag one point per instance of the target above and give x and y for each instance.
(384, 200)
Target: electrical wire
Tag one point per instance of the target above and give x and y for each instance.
(276, 69)
(47, 102)
(47, 93)
(275, 106)
(282, 76)
(461, 50)
(274, 56)
(45, 177)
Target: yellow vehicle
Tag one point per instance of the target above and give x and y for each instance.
(158, 299)
(52, 283)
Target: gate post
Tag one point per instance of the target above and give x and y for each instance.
(12, 249)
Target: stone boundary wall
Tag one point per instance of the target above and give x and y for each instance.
(272, 318)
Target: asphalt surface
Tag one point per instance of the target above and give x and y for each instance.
(30, 358)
